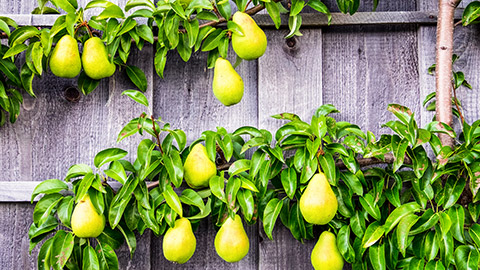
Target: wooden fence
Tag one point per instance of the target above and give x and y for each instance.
(360, 64)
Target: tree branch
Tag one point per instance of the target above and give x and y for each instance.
(444, 52)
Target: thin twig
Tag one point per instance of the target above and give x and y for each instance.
(157, 135)
(455, 100)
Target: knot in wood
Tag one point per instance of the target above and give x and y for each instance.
(72, 94)
(290, 46)
(443, 48)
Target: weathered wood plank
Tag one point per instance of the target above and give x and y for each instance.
(366, 68)
(290, 80)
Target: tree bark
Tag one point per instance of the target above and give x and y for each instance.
(444, 52)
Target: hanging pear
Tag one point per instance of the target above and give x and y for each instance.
(179, 242)
(86, 221)
(198, 168)
(227, 84)
(65, 59)
(95, 60)
(253, 43)
(318, 203)
(231, 241)
(325, 254)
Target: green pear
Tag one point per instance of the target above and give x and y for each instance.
(198, 168)
(95, 59)
(227, 84)
(318, 203)
(65, 59)
(253, 43)
(179, 242)
(231, 241)
(86, 221)
(325, 254)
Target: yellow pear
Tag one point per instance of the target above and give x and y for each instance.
(86, 221)
(231, 241)
(179, 242)
(318, 203)
(95, 60)
(65, 59)
(253, 43)
(325, 254)
(198, 168)
(227, 84)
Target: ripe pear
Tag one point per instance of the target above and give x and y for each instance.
(95, 59)
(86, 221)
(253, 43)
(179, 242)
(231, 241)
(318, 203)
(227, 84)
(65, 59)
(325, 254)
(198, 168)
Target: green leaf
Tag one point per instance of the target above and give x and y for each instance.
(367, 202)
(327, 163)
(112, 11)
(50, 224)
(217, 184)
(399, 150)
(289, 181)
(270, 215)
(373, 233)
(138, 78)
(49, 187)
(466, 258)
(457, 216)
(83, 186)
(404, 114)
(439, 127)
(43, 260)
(108, 155)
(343, 244)
(117, 172)
(427, 221)
(434, 265)
(78, 170)
(247, 203)
(474, 232)
(106, 257)
(16, 49)
(274, 12)
(61, 249)
(403, 229)
(239, 166)
(137, 96)
(352, 182)
(376, 253)
(445, 223)
(90, 260)
(65, 209)
(172, 200)
(396, 215)
(320, 7)
(139, 3)
(357, 223)
(471, 13)
(44, 207)
(11, 71)
(453, 189)
(87, 84)
(191, 197)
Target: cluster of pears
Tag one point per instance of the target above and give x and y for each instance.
(231, 241)
(65, 60)
(86, 221)
(318, 205)
(227, 85)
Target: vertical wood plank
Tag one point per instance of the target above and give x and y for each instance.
(367, 68)
(185, 99)
(289, 80)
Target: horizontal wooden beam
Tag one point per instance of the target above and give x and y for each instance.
(22, 191)
(308, 19)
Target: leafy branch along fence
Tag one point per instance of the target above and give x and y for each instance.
(325, 37)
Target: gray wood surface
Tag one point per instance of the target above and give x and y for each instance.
(360, 69)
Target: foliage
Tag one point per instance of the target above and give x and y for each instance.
(409, 213)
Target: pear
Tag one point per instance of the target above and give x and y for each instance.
(65, 59)
(253, 43)
(86, 221)
(95, 59)
(325, 254)
(318, 203)
(227, 84)
(179, 242)
(198, 168)
(231, 241)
